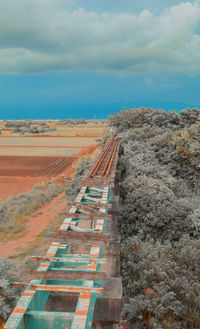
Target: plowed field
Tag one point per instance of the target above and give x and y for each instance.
(26, 161)
(11, 185)
(33, 165)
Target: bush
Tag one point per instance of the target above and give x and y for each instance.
(81, 169)
(24, 204)
(159, 219)
(8, 293)
(161, 283)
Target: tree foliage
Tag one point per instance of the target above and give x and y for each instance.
(159, 219)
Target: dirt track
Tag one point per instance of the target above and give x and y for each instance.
(34, 227)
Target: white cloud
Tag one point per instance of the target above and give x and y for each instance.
(38, 36)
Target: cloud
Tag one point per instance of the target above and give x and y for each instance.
(38, 36)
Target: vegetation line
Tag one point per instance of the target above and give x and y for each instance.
(159, 219)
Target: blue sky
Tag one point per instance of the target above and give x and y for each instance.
(84, 58)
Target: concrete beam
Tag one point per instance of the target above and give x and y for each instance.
(109, 305)
(86, 237)
(91, 205)
(67, 275)
(88, 216)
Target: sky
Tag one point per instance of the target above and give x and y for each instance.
(90, 58)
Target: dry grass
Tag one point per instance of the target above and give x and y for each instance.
(13, 214)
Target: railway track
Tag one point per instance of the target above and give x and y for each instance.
(77, 284)
(103, 166)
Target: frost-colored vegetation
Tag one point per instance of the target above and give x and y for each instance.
(159, 219)
(8, 293)
(39, 126)
(81, 169)
(28, 127)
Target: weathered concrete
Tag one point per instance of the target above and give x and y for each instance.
(67, 275)
(108, 306)
(70, 236)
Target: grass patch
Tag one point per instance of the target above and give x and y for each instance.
(14, 212)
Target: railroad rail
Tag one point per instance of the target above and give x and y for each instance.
(103, 171)
(77, 284)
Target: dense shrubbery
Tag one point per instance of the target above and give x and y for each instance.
(104, 137)
(161, 283)
(29, 127)
(24, 204)
(136, 118)
(8, 293)
(160, 196)
(81, 168)
(72, 121)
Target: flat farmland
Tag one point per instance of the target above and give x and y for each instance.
(80, 130)
(28, 160)
(19, 174)
(44, 146)
(33, 166)
(47, 141)
(13, 185)
(38, 151)
(32, 154)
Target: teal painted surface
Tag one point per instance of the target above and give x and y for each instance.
(61, 251)
(35, 317)
(89, 190)
(84, 200)
(75, 283)
(88, 324)
(109, 196)
(15, 321)
(24, 302)
(39, 300)
(71, 269)
(98, 283)
(104, 226)
(68, 264)
(100, 256)
(48, 320)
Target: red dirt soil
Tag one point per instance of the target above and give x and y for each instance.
(28, 165)
(23, 165)
(34, 227)
(11, 186)
(87, 151)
